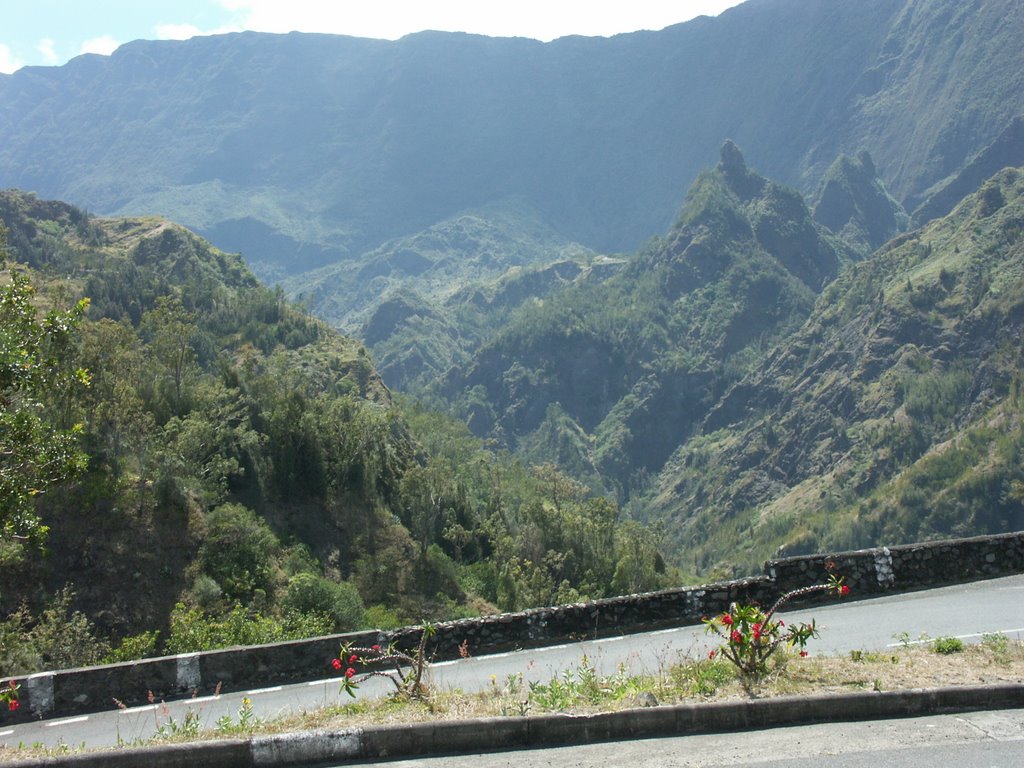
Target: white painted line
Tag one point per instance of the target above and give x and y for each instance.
(6, 733)
(927, 640)
(521, 651)
(201, 699)
(257, 691)
(319, 682)
(66, 721)
(143, 708)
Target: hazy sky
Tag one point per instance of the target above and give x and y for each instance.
(50, 32)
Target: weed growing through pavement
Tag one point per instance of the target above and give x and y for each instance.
(998, 645)
(948, 645)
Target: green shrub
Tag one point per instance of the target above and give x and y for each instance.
(381, 617)
(239, 552)
(948, 645)
(309, 594)
(59, 638)
(193, 630)
(134, 647)
(206, 592)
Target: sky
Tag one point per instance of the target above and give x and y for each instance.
(49, 32)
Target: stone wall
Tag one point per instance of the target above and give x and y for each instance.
(906, 567)
(868, 572)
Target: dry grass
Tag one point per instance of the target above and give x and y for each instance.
(913, 666)
(996, 660)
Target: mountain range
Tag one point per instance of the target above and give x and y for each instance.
(757, 277)
(303, 150)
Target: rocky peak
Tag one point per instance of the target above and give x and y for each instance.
(852, 202)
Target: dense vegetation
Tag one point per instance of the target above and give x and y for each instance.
(204, 463)
(893, 415)
(249, 478)
(750, 385)
(607, 378)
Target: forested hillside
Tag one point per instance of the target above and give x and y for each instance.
(541, 331)
(246, 476)
(608, 378)
(893, 415)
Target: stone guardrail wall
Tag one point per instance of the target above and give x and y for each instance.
(868, 572)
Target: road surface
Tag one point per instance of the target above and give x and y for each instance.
(967, 611)
(973, 740)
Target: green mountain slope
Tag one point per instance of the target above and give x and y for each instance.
(197, 424)
(472, 248)
(1006, 151)
(248, 474)
(415, 342)
(631, 364)
(853, 202)
(302, 150)
(894, 414)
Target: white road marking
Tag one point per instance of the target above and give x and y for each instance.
(143, 708)
(67, 721)
(257, 691)
(926, 640)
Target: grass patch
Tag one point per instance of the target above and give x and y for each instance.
(996, 659)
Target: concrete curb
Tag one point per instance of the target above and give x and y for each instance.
(507, 733)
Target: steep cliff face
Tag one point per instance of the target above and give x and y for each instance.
(302, 150)
(893, 414)
(1006, 151)
(852, 202)
(636, 361)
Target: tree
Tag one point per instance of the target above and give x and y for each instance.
(169, 327)
(35, 452)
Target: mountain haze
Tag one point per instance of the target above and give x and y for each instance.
(301, 150)
(629, 365)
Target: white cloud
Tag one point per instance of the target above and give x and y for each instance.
(47, 50)
(8, 63)
(176, 31)
(103, 45)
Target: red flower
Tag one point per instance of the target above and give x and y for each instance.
(844, 590)
(737, 637)
(375, 648)
(13, 705)
(757, 631)
(353, 659)
(336, 663)
(803, 654)
(349, 672)
(782, 623)
(727, 619)
(711, 653)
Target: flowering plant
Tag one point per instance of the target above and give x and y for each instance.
(9, 696)
(751, 635)
(407, 682)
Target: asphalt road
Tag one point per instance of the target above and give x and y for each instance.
(973, 740)
(967, 611)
